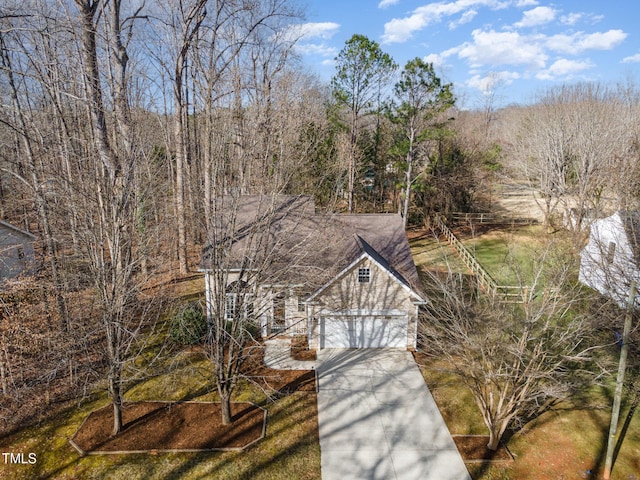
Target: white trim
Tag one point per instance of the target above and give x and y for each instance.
(390, 312)
(207, 296)
(230, 313)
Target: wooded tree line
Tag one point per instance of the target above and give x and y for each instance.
(577, 148)
(123, 123)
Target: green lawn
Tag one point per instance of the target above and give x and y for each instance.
(291, 449)
(509, 256)
(562, 444)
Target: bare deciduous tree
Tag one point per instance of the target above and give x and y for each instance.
(518, 360)
(571, 146)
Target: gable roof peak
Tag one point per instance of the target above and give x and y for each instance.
(12, 227)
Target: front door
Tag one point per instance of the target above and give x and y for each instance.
(278, 323)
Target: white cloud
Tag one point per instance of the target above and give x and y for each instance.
(440, 59)
(564, 68)
(306, 31)
(465, 18)
(632, 59)
(437, 59)
(526, 3)
(316, 49)
(488, 82)
(601, 40)
(503, 48)
(579, 42)
(571, 19)
(574, 18)
(387, 3)
(536, 16)
(303, 34)
(400, 30)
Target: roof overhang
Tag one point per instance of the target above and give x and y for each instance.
(417, 297)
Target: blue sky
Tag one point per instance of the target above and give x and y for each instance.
(521, 46)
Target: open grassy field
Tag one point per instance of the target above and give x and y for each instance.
(510, 255)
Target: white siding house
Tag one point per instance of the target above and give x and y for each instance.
(611, 259)
(345, 281)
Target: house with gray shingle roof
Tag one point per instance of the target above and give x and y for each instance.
(611, 260)
(343, 280)
(16, 251)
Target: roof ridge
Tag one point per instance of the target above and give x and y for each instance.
(18, 229)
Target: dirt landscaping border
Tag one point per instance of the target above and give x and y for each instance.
(178, 450)
(502, 451)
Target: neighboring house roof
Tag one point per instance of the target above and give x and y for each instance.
(16, 251)
(313, 248)
(13, 231)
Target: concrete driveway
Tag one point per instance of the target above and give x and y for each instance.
(378, 419)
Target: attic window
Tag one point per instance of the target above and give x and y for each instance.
(20, 253)
(364, 275)
(611, 252)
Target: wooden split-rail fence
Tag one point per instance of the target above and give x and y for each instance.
(488, 218)
(509, 293)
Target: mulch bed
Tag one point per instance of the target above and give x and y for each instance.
(281, 381)
(473, 448)
(300, 349)
(158, 426)
(149, 426)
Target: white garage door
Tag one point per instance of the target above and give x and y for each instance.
(363, 332)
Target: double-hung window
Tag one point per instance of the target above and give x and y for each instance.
(229, 306)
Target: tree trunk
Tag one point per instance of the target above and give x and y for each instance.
(180, 210)
(407, 197)
(407, 192)
(352, 160)
(192, 23)
(496, 430)
(494, 438)
(116, 396)
(225, 407)
(3, 378)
